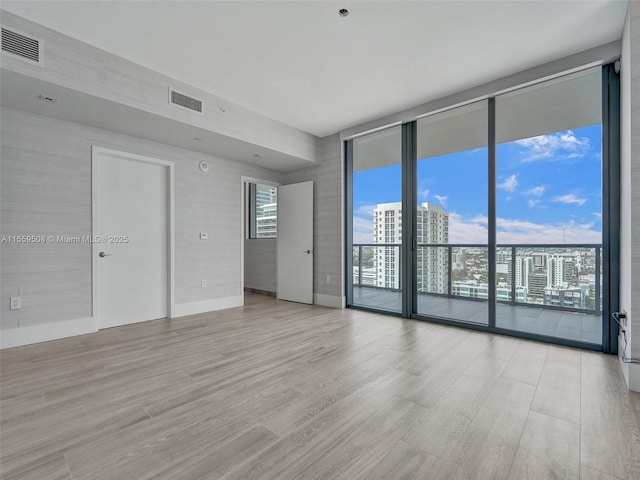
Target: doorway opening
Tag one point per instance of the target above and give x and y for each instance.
(259, 235)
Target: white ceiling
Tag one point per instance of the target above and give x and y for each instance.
(300, 63)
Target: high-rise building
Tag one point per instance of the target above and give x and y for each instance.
(524, 267)
(539, 260)
(570, 269)
(537, 283)
(458, 260)
(561, 270)
(503, 257)
(387, 229)
(266, 211)
(555, 270)
(432, 228)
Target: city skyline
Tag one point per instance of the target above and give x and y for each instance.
(557, 204)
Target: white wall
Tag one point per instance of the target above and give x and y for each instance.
(45, 175)
(328, 222)
(328, 226)
(260, 264)
(630, 189)
(81, 67)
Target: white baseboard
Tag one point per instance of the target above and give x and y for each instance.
(630, 371)
(634, 377)
(624, 367)
(15, 337)
(193, 308)
(332, 301)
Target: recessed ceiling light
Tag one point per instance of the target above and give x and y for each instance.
(343, 12)
(44, 98)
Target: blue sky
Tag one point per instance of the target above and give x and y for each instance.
(548, 190)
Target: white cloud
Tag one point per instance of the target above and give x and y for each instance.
(423, 193)
(363, 223)
(555, 146)
(480, 219)
(362, 230)
(509, 184)
(533, 203)
(510, 231)
(536, 191)
(513, 231)
(570, 198)
(442, 199)
(473, 230)
(365, 210)
(597, 214)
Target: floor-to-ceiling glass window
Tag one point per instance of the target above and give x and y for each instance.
(549, 208)
(510, 213)
(451, 275)
(377, 221)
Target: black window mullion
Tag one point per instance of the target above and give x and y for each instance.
(491, 254)
(610, 206)
(348, 205)
(409, 199)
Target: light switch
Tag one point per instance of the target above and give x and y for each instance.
(15, 303)
(204, 236)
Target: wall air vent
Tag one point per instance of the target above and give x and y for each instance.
(21, 45)
(185, 101)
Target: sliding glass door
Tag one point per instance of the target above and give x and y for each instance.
(376, 214)
(498, 214)
(549, 208)
(451, 277)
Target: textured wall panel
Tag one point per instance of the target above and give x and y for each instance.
(260, 264)
(328, 217)
(45, 175)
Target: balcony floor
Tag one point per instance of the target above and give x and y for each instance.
(542, 321)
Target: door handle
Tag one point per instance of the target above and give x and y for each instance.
(308, 252)
(103, 254)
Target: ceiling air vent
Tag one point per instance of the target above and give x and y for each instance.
(185, 101)
(21, 46)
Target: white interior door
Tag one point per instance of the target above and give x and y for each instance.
(131, 222)
(295, 242)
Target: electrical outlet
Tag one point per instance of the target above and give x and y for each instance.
(15, 303)
(203, 283)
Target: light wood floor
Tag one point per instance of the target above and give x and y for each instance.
(277, 390)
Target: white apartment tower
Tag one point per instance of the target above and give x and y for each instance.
(432, 228)
(560, 270)
(266, 201)
(524, 268)
(387, 229)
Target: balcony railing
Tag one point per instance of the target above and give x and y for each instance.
(461, 271)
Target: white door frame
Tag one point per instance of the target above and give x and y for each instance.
(243, 212)
(95, 153)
